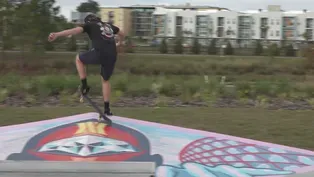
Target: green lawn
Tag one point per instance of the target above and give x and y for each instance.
(292, 128)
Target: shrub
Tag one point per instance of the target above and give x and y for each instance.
(48, 46)
(259, 48)
(129, 45)
(154, 65)
(212, 50)
(229, 49)
(163, 46)
(186, 88)
(170, 89)
(72, 46)
(178, 47)
(8, 43)
(309, 54)
(196, 47)
(142, 86)
(289, 51)
(273, 50)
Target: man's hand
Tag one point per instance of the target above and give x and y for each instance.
(52, 37)
(120, 47)
(68, 32)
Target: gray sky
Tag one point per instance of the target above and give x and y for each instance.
(70, 5)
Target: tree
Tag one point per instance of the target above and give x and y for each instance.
(6, 23)
(89, 6)
(34, 21)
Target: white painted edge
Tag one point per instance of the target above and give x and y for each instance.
(75, 167)
(308, 174)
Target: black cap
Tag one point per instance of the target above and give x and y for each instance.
(91, 18)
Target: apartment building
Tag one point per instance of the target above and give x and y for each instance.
(141, 20)
(270, 24)
(214, 23)
(120, 17)
(142, 17)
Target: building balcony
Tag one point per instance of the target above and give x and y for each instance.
(289, 27)
(244, 23)
(264, 27)
(201, 25)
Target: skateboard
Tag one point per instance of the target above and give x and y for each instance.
(102, 117)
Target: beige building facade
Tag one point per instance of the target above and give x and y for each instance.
(120, 17)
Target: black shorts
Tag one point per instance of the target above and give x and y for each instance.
(95, 57)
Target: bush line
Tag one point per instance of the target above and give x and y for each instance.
(159, 64)
(185, 88)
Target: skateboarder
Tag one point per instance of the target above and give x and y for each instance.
(103, 52)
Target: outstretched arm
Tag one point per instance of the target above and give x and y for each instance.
(68, 32)
(73, 31)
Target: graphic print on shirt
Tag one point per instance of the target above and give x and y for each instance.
(106, 31)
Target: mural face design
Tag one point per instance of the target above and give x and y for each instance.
(88, 141)
(177, 152)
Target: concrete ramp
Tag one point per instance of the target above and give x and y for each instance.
(77, 169)
(173, 151)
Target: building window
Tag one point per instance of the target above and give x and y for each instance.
(271, 33)
(277, 33)
(220, 21)
(233, 21)
(278, 22)
(309, 23)
(272, 21)
(178, 21)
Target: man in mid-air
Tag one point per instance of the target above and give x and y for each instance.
(103, 52)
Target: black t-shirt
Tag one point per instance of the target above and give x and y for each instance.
(102, 36)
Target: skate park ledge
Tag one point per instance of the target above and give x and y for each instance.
(77, 169)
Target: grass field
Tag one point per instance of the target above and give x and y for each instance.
(292, 128)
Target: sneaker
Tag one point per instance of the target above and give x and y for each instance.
(108, 113)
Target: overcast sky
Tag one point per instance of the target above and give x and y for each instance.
(70, 5)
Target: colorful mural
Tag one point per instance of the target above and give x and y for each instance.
(177, 152)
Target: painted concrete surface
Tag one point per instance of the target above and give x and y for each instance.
(177, 152)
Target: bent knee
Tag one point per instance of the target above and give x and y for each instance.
(77, 58)
(105, 80)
